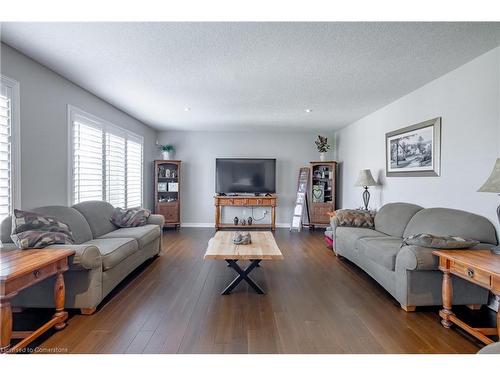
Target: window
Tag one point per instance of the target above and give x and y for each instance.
(106, 162)
(9, 146)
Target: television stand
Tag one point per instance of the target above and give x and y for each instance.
(245, 201)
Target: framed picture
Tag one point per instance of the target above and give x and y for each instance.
(173, 186)
(318, 194)
(162, 187)
(414, 150)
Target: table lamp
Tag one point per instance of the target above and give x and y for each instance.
(365, 179)
(492, 185)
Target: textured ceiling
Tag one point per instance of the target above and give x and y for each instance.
(251, 75)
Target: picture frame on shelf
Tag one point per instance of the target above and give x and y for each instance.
(318, 193)
(173, 186)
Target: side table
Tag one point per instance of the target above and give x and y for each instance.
(20, 269)
(480, 267)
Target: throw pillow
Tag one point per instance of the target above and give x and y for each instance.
(354, 218)
(33, 230)
(134, 217)
(439, 242)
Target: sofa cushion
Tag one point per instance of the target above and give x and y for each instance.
(74, 219)
(439, 242)
(133, 217)
(450, 222)
(392, 218)
(354, 218)
(34, 230)
(381, 250)
(114, 250)
(144, 235)
(346, 237)
(98, 215)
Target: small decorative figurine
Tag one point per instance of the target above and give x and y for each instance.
(249, 220)
(235, 220)
(242, 238)
(243, 222)
(167, 173)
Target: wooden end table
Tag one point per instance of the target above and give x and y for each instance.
(20, 269)
(480, 267)
(263, 247)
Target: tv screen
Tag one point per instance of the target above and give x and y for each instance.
(245, 176)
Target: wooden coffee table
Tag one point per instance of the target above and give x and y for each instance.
(20, 269)
(263, 247)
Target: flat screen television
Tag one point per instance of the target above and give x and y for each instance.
(245, 176)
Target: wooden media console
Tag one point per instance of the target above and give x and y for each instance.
(245, 201)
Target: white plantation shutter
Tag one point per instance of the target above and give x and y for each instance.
(115, 169)
(5, 154)
(134, 172)
(87, 161)
(107, 162)
(9, 92)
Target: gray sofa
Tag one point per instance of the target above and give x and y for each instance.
(105, 254)
(410, 273)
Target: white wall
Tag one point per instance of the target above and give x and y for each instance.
(198, 151)
(44, 129)
(468, 100)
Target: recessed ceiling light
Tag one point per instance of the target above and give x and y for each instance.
(309, 110)
(187, 109)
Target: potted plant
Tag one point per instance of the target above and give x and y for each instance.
(167, 152)
(323, 147)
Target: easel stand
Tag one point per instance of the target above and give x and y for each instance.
(301, 200)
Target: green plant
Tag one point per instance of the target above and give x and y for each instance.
(322, 144)
(166, 148)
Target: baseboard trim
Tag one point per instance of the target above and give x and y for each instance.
(197, 225)
(211, 225)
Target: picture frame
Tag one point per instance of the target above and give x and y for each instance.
(318, 194)
(173, 186)
(414, 150)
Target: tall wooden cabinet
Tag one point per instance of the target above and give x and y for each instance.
(322, 192)
(168, 191)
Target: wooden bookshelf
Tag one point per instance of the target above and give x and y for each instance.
(167, 191)
(322, 192)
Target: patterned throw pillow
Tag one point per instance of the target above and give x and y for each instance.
(134, 217)
(355, 218)
(439, 242)
(32, 230)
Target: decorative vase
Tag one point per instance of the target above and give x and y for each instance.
(322, 156)
(165, 155)
(235, 220)
(249, 220)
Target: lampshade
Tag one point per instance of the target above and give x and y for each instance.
(492, 184)
(365, 178)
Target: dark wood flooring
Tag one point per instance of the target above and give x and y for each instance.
(315, 303)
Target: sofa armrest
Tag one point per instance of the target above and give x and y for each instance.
(334, 223)
(156, 219)
(86, 256)
(417, 258)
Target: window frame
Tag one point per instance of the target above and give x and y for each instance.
(15, 154)
(106, 127)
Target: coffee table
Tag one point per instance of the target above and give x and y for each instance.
(263, 247)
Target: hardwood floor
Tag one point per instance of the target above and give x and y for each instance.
(315, 303)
